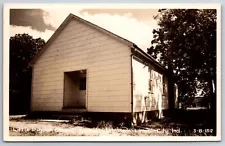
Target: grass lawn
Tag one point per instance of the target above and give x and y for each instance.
(21, 127)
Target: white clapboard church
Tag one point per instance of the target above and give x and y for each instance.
(86, 68)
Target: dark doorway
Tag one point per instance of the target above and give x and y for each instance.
(75, 89)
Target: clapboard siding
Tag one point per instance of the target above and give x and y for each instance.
(143, 98)
(80, 46)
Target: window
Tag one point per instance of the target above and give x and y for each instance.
(150, 83)
(83, 83)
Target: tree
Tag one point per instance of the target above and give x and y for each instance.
(185, 43)
(22, 48)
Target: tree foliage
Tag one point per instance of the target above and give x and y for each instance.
(22, 48)
(185, 43)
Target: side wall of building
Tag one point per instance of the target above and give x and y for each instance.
(150, 90)
(80, 46)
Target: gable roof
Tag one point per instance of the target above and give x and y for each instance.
(132, 45)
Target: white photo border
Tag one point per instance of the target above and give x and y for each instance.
(6, 37)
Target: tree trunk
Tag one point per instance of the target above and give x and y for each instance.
(212, 94)
(171, 87)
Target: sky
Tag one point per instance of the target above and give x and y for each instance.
(135, 25)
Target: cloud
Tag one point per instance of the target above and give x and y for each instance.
(56, 17)
(34, 18)
(139, 14)
(34, 33)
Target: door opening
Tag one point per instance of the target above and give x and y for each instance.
(75, 89)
